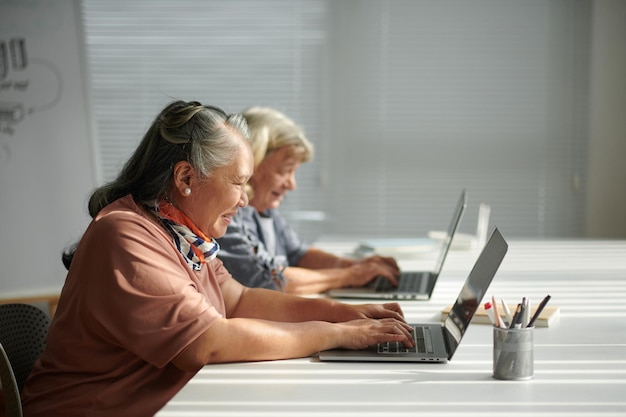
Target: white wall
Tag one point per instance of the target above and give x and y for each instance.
(45, 155)
(46, 172)
(606, 208)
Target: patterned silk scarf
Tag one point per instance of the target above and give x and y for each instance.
(194, 245)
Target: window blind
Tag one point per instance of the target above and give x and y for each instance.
(437, 96)
(145, 53)
(406, 101)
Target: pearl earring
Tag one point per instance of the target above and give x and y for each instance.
(187, 191)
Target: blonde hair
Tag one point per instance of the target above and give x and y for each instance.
(271, 130)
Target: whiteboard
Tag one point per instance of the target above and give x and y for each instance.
(46, 169)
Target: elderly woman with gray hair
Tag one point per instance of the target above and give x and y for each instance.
(146, 303)
(260, 248)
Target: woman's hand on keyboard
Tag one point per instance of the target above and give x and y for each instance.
(364, 271)
(380, 311)
(339, 312)
(360, 334)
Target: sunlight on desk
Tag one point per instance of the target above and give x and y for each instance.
(579, 366)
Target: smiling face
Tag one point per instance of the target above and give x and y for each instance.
(275, 176)
(215, 200)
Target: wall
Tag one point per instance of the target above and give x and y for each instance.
(45, 152)
(606, 208)
(45, 138)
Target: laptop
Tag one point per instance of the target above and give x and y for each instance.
(412, 285)
(437, 342)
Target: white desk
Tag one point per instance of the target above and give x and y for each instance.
(580, 364)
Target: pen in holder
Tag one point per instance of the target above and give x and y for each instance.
(513, 353)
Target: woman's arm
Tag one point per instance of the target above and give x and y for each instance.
(238, 340)
(271, 305)
(267, 325)
(319, 271)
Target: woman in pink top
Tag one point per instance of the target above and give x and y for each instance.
(146, 303)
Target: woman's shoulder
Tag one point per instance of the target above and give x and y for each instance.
(124, 214)
(121, 205)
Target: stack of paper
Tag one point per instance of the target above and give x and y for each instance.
(548, 317)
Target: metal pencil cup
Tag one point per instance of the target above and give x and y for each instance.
(513, 353)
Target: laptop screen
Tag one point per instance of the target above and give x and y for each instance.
(474, 290)
(454, 224)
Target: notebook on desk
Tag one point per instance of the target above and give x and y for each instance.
(417, 285)
(437, 342)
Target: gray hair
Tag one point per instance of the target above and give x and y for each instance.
(204, 136)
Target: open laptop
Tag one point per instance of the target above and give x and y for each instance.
(416, 285)
(437, 342)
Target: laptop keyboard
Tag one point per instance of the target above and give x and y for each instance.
(423, 343)
(410, 282)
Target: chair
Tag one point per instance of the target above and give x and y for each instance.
(12, 402)
(23, 330)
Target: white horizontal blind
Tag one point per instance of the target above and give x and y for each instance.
(436, 96)
(407, 101)
(142, 54)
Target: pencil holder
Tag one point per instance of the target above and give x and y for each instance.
(513, 357)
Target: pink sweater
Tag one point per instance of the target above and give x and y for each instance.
(129, 305)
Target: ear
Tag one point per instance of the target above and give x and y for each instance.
(183, 176)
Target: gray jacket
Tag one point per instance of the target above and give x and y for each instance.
(245, 254)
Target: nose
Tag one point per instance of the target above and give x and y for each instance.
(290, 184)
(243, 200)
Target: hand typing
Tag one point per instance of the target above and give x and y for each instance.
(360, 334)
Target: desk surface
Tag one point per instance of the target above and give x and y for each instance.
(580, 363)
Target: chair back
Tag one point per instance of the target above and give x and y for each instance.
(23, 330)
(11, 393)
